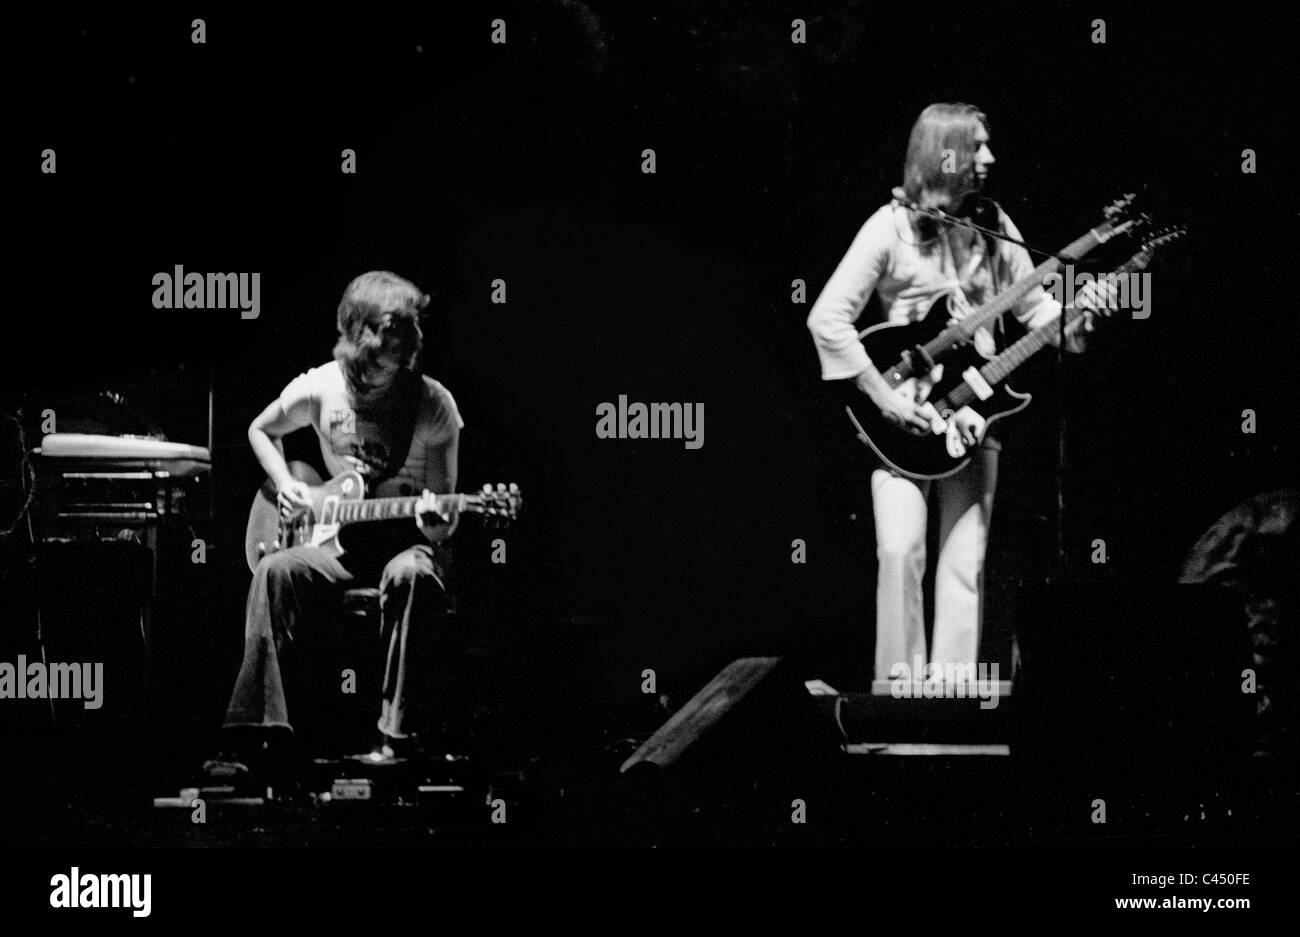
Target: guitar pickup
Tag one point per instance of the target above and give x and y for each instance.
(976, 382)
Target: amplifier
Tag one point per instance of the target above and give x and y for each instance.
(111, 487)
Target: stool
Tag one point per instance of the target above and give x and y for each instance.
(346, 723)
(361, 603)
(364, 602)
(334, 722)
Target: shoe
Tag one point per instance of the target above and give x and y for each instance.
(243, 756)
(227, 769)
(238, 773)
(391, 751)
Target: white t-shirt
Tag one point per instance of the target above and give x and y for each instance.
(887, 257)
(401, 444)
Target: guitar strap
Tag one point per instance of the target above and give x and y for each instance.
(401, 417)
(370, 546)
(988, 214)
(409, 407)
(984, 212)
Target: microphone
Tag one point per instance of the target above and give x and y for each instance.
(972, 206)
(975, 211)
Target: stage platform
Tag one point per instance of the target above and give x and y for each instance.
(913, 720)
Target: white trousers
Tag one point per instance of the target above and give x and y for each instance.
(965, 504)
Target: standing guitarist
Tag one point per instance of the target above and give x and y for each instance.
(374, 413)
(908, 259)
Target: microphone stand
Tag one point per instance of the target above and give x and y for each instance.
(31, 558)
(958, 221)
(1062, 562)
(212, 448)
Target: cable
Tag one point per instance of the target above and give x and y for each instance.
(940, 215)
(28, 473)
(839, 722)
(956, 220)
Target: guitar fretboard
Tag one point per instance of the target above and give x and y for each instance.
(383, 509)
(963, 330)
(1000, 367)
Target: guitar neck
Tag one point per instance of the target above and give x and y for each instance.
(1021, 351)
(384, 509)
(990, 312)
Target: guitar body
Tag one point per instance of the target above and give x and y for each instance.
(926, 457)
(889, 344)
(965, 377)
(921, 457)
(318, 527)
(342, 501)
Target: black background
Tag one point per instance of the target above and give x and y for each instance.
(523, 161)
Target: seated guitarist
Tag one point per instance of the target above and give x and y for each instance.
(373, 412)
(908, 259)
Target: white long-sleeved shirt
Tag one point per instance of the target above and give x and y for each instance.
(887, 256)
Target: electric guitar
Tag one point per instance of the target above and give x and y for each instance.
(913, 349)
(979, 386)
(342, 501)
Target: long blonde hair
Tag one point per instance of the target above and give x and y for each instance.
(938, 170)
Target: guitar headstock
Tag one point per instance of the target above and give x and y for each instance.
(1121, 208)
(1122, 216)
(1163, 236)
(499, 505)
(1150, 243)
(1137, 262)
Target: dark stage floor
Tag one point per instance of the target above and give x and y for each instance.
(862, 795)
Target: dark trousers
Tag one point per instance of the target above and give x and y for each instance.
(297, 591)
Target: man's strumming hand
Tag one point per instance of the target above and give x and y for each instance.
(293, 497)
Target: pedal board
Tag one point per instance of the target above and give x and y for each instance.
(223, 795)
(343, 783)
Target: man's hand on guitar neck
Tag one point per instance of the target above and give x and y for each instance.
(436, 517)
(1076, 333)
